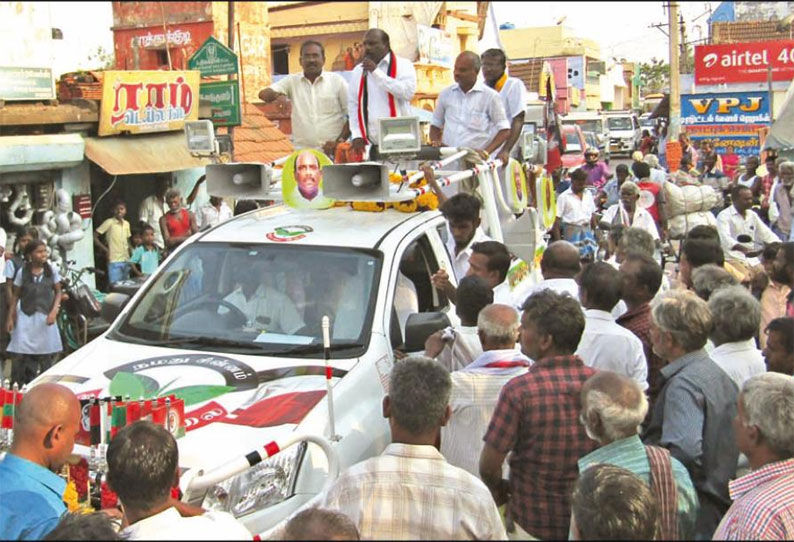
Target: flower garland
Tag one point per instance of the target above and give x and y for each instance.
(426, 202)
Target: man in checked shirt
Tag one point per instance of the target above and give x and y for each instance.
(537, 419)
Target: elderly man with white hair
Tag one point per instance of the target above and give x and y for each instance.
(628, 213)
(613, 407)
(658, 175)
(693, 411)
(476, 388)
(736, 315)
(763, 501)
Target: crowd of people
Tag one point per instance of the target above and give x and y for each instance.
(617, 399)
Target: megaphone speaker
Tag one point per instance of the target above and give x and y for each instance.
(240, 180)
(363, 181)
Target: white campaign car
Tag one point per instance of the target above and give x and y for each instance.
(231, 322)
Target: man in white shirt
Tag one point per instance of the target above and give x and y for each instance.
(606, 345)
(468, 113)
(265, 308)
(512, 92)
(462, 212)
(319, 101)
(410, 492)
(627, 213)
(736, 315)
(575, 220)
(739, 220)
(143, 467)
(382, 85)
(153, 207)
(559, 266)
(213, 213)
(476, 388)
(456, 347)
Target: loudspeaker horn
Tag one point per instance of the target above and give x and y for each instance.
(240, 180)
(363, 181)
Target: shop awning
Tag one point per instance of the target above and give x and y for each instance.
(38, 152)
(140, 154)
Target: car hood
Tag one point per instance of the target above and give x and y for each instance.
(572, 160)
(233, 403)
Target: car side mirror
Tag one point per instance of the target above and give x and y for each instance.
(112, 306)
(420, 326)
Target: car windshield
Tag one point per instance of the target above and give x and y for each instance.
(258, 299)
(572, 143)
(620, 123)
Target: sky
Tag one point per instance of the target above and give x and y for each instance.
(621, 28)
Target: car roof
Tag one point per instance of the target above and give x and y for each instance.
(340, 226)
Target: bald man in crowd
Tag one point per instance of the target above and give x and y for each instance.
(559, 266)
(31, 493)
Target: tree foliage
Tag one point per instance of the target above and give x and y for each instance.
(654, 76)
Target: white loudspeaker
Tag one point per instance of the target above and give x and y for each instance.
(240, 180)
(363, 181)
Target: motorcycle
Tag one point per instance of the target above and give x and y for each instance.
(79, 319)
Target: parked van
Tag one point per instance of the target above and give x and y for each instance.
(624, 132)
(591, 121)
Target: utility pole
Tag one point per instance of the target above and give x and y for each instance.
(675, 74)
(230, 40)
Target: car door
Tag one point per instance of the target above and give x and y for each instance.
(418, 256)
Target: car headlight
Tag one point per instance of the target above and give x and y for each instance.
(263, 485)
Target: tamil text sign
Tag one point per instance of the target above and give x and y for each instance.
(739, 139)
(147, 101)
(725, 108)
(219, 101)
(26, 84)
(213, 58)
(746, 62)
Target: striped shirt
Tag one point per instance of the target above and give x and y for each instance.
(411, 493)
(630, 454)
(763, 505)
(475, 391)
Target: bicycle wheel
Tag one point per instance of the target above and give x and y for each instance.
(70, 334)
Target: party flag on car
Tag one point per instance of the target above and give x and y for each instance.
(119, 419)
(159, 414)
(176, 418)
(94, 422)
(133, 412)
(12, 399)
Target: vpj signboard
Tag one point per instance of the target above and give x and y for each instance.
(725, 108)
(747, 62)
(148, 101)
(731, 120)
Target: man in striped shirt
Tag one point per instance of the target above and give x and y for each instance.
(410, 492)
(613, 407)
(763, 501)
(476, 388)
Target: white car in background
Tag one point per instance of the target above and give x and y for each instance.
(624, 132)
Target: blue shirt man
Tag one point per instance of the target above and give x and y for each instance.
(31, 499)
(46, 423)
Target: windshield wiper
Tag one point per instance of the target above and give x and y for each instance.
(191, 340)
(316, 348)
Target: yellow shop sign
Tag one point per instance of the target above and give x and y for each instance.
(148, 101)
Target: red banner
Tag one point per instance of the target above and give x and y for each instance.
(744, 62)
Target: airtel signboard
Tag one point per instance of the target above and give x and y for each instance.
(744, 62)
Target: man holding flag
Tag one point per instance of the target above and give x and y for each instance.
(382, 85)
